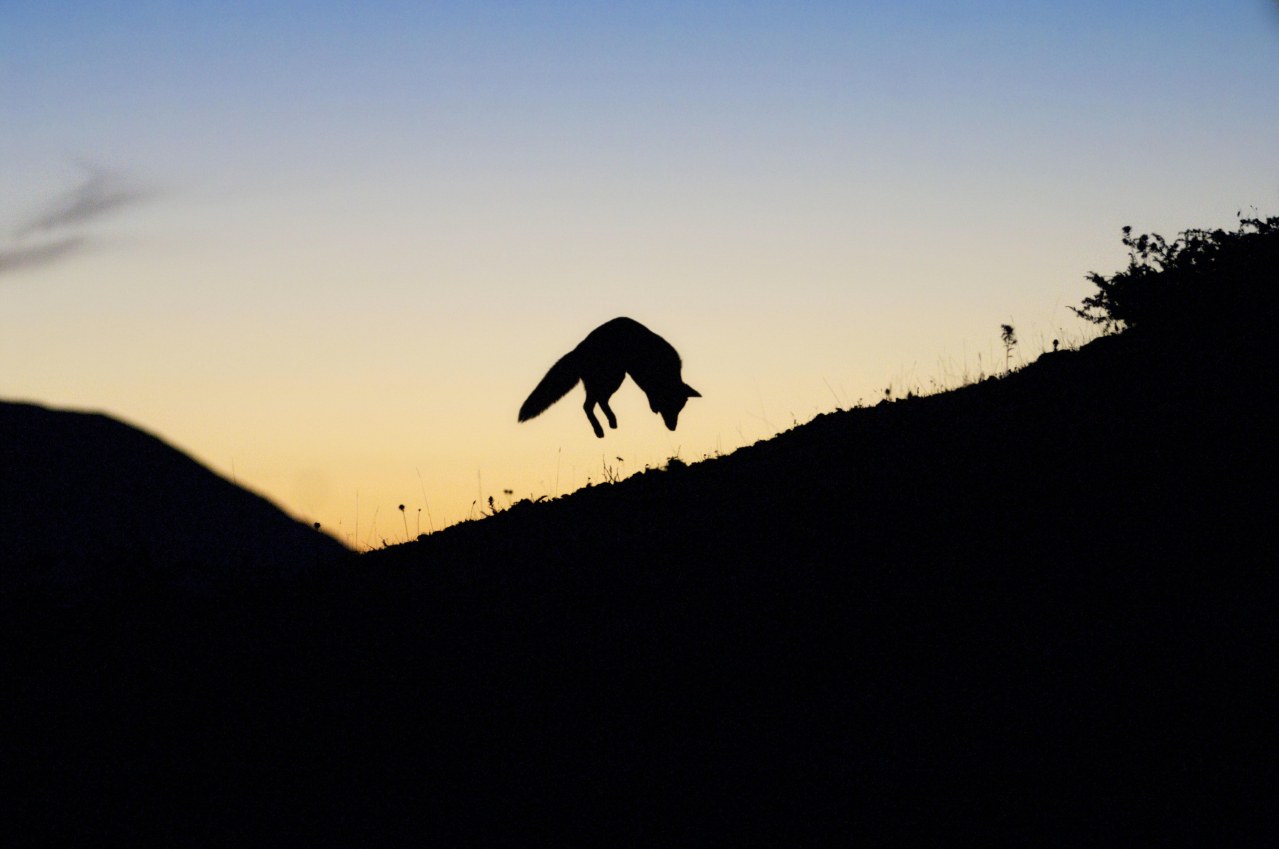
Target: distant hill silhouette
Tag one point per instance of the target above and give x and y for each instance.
(1038, 610)
(91, 503)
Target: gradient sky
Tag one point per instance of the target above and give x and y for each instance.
(328, 248)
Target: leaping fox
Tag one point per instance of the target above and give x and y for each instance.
(602, 361)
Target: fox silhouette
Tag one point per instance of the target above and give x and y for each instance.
(602, 361)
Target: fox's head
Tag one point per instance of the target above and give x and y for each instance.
(668, 405)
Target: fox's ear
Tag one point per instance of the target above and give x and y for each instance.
(692, 393)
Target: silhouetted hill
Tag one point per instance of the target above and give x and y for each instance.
(91, 504)
(1038, 610)
(1038, 607)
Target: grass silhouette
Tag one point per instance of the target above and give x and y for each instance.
(1037, 609)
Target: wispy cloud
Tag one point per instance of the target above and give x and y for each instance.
(16, 258)
(56, 231)
(100, 193)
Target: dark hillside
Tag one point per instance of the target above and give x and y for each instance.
(1039, 606)
(85, 495)
(1037, 611)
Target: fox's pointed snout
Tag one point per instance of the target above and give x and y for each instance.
(670, 414)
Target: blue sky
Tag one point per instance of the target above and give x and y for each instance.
(332, 246)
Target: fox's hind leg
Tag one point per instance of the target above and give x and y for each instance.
(608, 412)
(589, 407)
(598, 392)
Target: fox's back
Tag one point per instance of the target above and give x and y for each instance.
(625, 344)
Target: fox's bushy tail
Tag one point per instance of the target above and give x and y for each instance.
(562, 377)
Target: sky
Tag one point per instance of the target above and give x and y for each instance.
(329, 248)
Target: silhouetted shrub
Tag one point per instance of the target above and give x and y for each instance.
(1009, 337)
(1203, 275)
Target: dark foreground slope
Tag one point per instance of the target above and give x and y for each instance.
(1040, 607)
(1038, 610)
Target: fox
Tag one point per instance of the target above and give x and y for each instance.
(601, 362)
